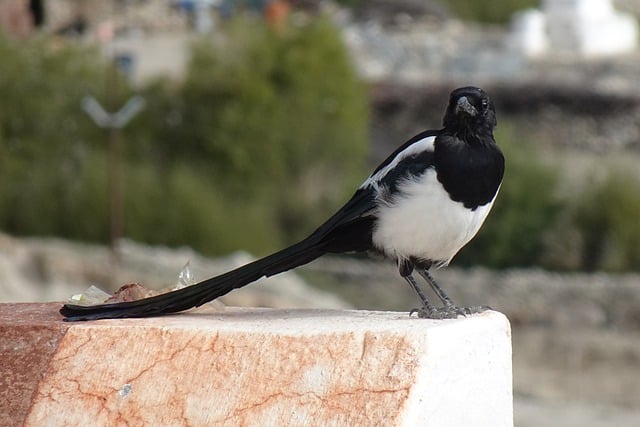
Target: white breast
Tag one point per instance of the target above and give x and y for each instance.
(424, 222)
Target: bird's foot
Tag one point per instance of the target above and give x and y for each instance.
(448, 311)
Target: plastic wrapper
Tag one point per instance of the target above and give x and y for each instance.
(93, 295)
(135, 291)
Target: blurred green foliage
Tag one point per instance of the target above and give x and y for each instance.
(43, 135)
(267, 133)
(494, 11)
(606, 217)
(283, 115)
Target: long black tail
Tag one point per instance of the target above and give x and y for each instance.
(203, 292)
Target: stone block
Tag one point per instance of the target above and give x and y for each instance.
(259, 367)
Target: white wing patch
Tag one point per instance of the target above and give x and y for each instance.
(425, 144)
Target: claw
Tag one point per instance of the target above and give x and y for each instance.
(447, 312)
(477, 309)
(424, 312)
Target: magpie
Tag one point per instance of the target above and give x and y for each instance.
(418, 208)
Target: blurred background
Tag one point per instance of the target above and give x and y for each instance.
(137, 135)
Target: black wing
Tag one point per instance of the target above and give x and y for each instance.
(350, 228)
(410, 162)
(413, 140)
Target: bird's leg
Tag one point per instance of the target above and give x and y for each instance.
(449, 310)
(427, 307)
(424, 272)
(405, 267)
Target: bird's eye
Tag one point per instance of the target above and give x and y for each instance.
(485, 103)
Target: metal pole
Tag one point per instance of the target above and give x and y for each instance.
(116, 206)
(114, 122)
(115, 166)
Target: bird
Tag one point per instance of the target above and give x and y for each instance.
(418, 208)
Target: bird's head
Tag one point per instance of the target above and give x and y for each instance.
(470, 112)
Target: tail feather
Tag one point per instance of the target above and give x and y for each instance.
(202, 292)
(347, 230)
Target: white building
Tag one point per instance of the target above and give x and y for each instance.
(588, 28)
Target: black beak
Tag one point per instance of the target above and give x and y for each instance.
(464, 105)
